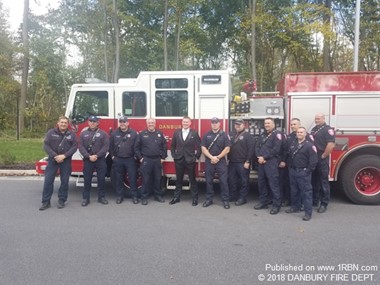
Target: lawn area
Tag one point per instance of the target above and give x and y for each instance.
(23, 151)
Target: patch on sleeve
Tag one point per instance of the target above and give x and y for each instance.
(314, 148)
(279, 137)
(331, 132)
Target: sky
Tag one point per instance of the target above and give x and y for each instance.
(16, 8)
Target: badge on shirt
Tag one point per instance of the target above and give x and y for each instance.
(97, 135)
(128, 135)
(68, 137)
(159, 135)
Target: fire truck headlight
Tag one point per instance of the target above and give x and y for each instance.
(269, 111)
(276, 110)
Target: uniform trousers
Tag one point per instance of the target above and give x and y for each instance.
(301, 190)
(269, 180)
(88, 170)
(122, 167)
(320, 181)
(50, 173)
(151, 171)
(221, 169)
(238, 175)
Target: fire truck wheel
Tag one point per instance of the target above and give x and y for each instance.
(360, 180)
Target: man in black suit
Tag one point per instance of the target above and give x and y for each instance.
(186, 149)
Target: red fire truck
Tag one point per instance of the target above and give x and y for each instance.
(350, 102)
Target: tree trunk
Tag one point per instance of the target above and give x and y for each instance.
(253, 39)
(25, 66)
(105, 45)
(326, 39)
(166, 36)
(178, 38)
(117, 42)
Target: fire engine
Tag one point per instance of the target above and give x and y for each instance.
(350, 102)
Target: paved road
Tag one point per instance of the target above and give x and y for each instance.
(180, 244)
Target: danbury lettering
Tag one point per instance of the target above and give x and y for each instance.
(307, 277)
(283, 267)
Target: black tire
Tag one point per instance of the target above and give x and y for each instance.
(360, 180)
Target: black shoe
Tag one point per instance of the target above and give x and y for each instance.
(226, 205)
(291, 210)
(61, 204)
(195, 202)
(159, 199)
(306, 217)
(85, 202)
(45, 205)
(322, 209)
(315, 204)
(285, 203)
(135, 200)
(240, 202)
(103, 201)
(174, 201)
(207, 203)
(274, 211)
(119, 200)
(260, 206)
(144, 202)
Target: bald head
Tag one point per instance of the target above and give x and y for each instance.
(319, 119)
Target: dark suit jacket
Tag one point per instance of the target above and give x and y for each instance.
(190, 149)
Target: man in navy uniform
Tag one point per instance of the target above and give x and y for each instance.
(215, 146)
(324, 140)
(185, 149)
(122, 143)
(94, 145)
(267, 150)
(240, 156)
(60, 144)
(302, 161)
(151, 151)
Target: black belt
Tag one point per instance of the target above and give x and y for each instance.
(152, 156)
(299, 168)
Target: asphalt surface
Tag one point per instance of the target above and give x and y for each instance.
(179, 244)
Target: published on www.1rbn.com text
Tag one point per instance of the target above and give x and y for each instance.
(320, 273)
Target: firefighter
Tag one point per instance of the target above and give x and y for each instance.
(185, 149)
(240, 157)
(93, 146)
(267, 150)
(302, 161)
(151, 151)
(324, 140)
(215, 146)
(122, 151)
(60, 144)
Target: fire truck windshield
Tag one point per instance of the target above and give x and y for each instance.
(88, 103)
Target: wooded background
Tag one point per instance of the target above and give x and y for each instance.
(112, 39)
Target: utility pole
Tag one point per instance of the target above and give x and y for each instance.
(357, 32)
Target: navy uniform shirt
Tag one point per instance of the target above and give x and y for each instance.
(242, 147)
(151, 144)
(269, 145)
(56, 143)
(93, 142)
(219, 145)
(122, 143)
(322, 135)
(304, 155)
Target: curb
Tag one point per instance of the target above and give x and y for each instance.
(18, 172)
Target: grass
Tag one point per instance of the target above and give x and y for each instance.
(23, 151)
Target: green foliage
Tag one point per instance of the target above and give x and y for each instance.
(20, 151)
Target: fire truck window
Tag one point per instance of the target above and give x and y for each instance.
(90, 103)
(171, 103)
(171, 83)
(134, 104)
